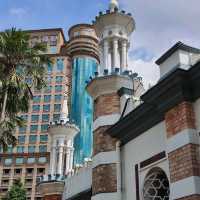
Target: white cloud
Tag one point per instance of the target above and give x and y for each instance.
(159, 25)
(18, 11)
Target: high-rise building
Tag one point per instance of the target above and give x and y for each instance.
(30, 157)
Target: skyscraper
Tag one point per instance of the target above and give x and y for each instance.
(30, 157)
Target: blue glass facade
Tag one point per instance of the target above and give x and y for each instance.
(82, 106)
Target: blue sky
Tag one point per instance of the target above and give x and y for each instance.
(159, 24)
(33, 14)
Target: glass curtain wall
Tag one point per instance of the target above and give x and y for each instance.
(82, 107)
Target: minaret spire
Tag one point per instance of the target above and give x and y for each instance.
(113, 4)
(65, 112)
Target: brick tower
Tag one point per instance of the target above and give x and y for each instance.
(113, 28)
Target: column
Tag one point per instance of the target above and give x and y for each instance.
(105, 54)
(115, 50)
(124, 56)
(53, 160)
(60, 156)
(71, 158)
(67, 160)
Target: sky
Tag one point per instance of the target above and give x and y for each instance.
(159, 24)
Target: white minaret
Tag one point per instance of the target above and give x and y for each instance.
(113, 4)
(62, 134)
(114, 29)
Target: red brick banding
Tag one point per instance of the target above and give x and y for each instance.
(179, 118)
(106, 104)
(184, 162)
(102, 142)
(104, 179)
(53, 197)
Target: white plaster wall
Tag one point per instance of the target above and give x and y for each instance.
(141, 148)
(180, 57)
(79, 182)
(169, 64)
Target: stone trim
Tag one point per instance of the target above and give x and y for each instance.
(110, 196)
(105, 120)
(185, 187)
(187, 136)
(104, 158)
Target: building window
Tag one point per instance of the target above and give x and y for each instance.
(21, 139)
(41, 171)
(47, 98)
(53, 49)
(43, 148)
(49, 68)
(32, 138)
(60, 65)
(19, 161)
(6, 172)
(9, 149)
(29, 171)
(22, 129)
(46, 108)
(31, 149)
(58, 98)
(34, 118)
(47, 89)
(56, 117)
(31, 160)
(36, 108)
(20, 149)
(42, 160)
(8, 161)
(156, 185)
(34, 128)
(58, 88)
(18, 171)
(48, 79)
(24, 117)
(44, 127)
(45, 118)
(59, 79)
(36, 99)
(57, 107)
(43, 138)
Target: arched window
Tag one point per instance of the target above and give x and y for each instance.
(156, 185)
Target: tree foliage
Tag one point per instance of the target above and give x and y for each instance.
(16, 192)
(22, 68)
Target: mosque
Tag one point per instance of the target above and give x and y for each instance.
(145, 144)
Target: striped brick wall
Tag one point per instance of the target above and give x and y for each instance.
(183, 152)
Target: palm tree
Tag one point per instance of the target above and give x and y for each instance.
(19, 62)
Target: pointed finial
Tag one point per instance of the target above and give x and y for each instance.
(113, 4)
(65, 112)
